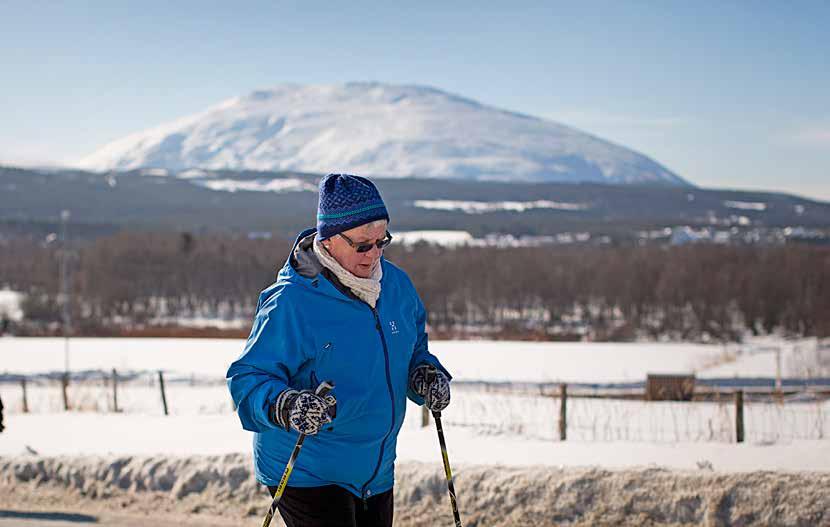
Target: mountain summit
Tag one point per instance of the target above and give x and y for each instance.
(378, 130)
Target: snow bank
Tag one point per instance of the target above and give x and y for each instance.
(507, 496)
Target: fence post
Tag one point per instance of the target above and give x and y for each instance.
(114, 391)
(25, 398)
(64, 386)
(739, 416)
(163, 397)
(563, 412)
(424, 416)
(779, 392)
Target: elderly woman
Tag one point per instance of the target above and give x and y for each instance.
(338, 311)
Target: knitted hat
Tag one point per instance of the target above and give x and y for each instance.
(347, 202)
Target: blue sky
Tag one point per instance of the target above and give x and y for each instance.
(726, 94)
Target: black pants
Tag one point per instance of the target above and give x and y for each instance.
(333, 506)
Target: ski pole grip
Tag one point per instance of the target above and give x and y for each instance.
(324, 388)
(430, 374)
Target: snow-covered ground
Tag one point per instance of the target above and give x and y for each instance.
(482, 413)
(511, 468)
(95, 434)
(671, 434)
(220, 490)
(379, 130)
(256, 185)
(10, 305)
(575, 362)
(493, 361)
(482, 207)
(444, 238)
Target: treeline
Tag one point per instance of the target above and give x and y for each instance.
(692, 292)
(134, 277)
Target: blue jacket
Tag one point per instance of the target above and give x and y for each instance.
(309, 329)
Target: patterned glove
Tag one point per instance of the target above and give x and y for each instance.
(431, 384)
(305, 411)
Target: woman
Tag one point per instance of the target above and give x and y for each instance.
(340, 312)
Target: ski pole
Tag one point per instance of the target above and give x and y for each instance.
(447, 471)
(324, 388)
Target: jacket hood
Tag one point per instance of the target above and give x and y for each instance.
(302, 257)
(303, 267)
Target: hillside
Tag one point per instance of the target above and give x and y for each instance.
(284, 203)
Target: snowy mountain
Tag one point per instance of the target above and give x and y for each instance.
(378, 130)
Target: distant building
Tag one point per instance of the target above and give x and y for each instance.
(684, 235)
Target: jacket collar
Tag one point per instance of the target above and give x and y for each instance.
(302, 263)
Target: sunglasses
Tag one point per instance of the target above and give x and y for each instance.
(366, 247)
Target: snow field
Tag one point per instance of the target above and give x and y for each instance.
(194, 371)
(475, 360)
(91, 434)
(485, 413)
(202, 421)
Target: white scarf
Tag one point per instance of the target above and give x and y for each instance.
(366, 289)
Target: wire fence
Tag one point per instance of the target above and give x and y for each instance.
(501, 410)
(610, 418)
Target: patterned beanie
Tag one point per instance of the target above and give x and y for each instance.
(347, 202)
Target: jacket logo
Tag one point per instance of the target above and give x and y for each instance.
(394, 327)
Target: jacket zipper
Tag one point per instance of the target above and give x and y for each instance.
(392, 400)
